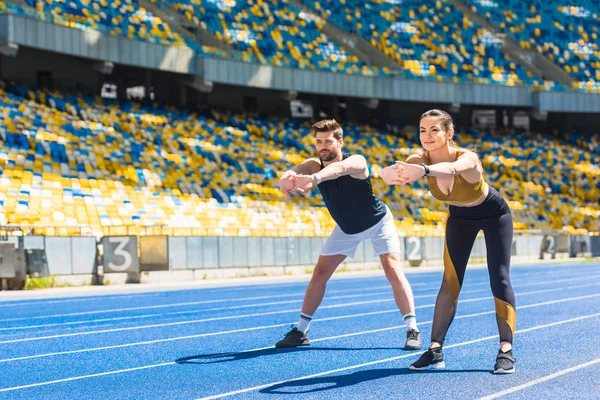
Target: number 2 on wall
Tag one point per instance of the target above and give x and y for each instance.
(415, 252)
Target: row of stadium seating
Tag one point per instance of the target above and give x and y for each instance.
(565, 176)
(272, 31)
(115, 18)
(429, 39)
(566, 33)
(85, 161)
(64, 162)
(589, 142)
(546, 179)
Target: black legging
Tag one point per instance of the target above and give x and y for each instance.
(493, 216)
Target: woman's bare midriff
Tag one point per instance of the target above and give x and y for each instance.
(481, 199)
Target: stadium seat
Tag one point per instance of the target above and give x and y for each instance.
(566, 33)
(431, 39)
(70, 161)
(272, 32)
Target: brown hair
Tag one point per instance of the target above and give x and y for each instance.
(329, 125)
(446, 119)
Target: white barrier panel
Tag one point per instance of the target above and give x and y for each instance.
(225, 257)
(77, 255)
(255, 251)
(305, 253)
(369, 252)
(210, 255)
(194, 252)
(292, 247)
(240, 252)
(433, 248)
(177, 253)
(280, 251)
(84, 253)
(59, 255)
(479, 248)
(267, 251)
(318, 244)
(359, 256)
(528, 245)
(33, 242)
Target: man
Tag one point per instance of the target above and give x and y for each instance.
(345, 184)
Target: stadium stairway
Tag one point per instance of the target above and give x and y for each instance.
(353, 43)
(567, 35)
(432, 39)
(532, 61)
(184, 27)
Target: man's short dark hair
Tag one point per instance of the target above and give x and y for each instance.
(329, 125)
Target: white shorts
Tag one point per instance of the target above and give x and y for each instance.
(383, 235)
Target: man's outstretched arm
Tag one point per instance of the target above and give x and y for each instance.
(355, 166)
(287, 182)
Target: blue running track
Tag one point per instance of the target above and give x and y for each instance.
(218, 342)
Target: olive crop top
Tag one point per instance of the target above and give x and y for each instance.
(463, 192)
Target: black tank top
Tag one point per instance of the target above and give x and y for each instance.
(351, 202)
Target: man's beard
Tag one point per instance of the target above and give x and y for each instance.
(328, 156)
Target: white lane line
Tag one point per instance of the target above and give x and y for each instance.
(196, 292)
(188, 303)
(184, 312)
(540, 380)
(75, 378)
(24, 327)
(517, 272)
(252, 389)
(339, 317)
(181, 304)
(294, 379)
(197, 321)
(188, 322)
(398, 327)
(42, 301)
(192, 303)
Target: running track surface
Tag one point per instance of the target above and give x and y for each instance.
(218, 343)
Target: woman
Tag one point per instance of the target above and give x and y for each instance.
(455, 176)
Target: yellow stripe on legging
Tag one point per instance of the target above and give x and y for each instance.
(450, 275)
(505, 311)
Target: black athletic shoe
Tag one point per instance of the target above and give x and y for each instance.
(413, 340)
(294, 338)
(431, 359)
(505, 363)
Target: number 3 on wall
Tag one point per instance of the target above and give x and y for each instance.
(121, 251)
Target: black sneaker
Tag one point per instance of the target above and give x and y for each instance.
(294, 338)
(505, 363)
(413, 340)
(431, 359)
